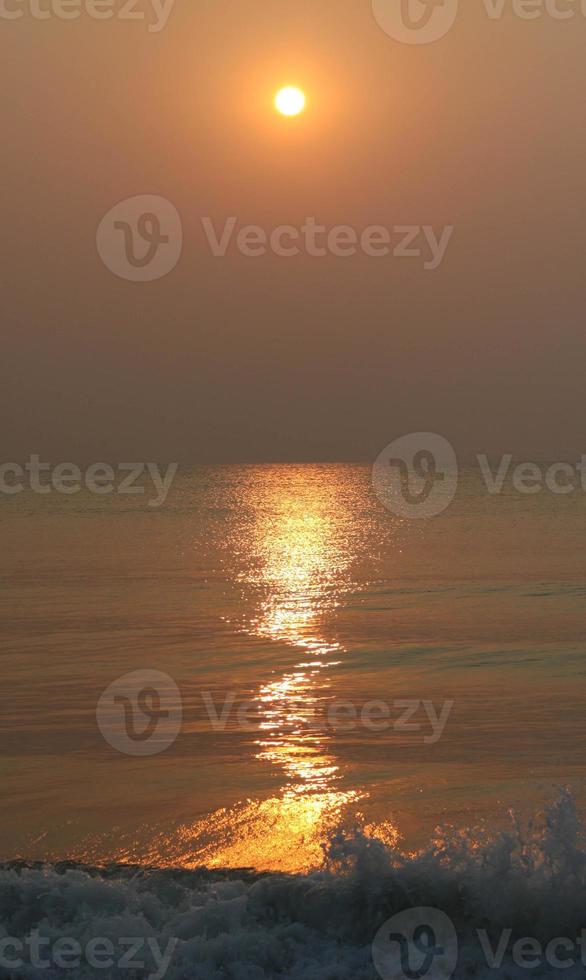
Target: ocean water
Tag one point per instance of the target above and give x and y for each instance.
(291, 593)
(246, 926)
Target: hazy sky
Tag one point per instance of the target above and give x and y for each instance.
(241, 358)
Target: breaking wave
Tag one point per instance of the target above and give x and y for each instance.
(242, 925)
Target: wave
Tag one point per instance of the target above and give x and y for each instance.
(243, 925)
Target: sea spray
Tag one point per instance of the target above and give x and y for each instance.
(528, 880)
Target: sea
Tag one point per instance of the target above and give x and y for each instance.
(263, 719)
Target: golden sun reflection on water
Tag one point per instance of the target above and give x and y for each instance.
(299, 561)
(292, 556)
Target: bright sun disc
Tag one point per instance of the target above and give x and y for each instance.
(290, 101)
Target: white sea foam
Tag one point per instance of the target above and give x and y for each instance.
(244, 926)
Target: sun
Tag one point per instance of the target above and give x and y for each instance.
(290, 101)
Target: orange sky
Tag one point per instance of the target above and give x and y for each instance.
(302, 358)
